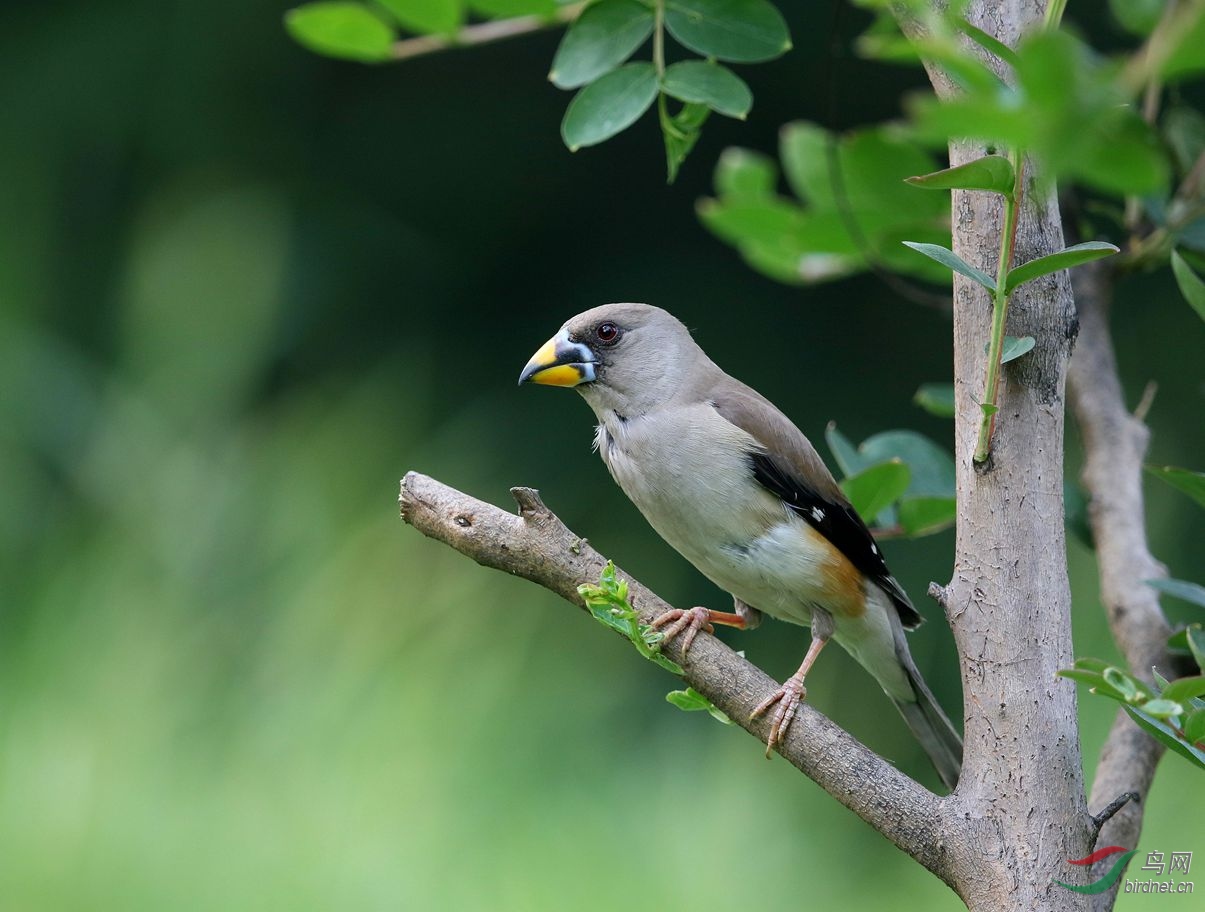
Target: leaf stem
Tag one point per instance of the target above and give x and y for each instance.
(1008, 239)
(1054, 14)
(484, 32)
(659, 39)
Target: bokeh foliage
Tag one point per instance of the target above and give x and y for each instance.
(242, 290)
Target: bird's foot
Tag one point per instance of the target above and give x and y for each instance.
(788, 698)
(690, 620)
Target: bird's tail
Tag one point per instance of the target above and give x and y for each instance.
(926, 719)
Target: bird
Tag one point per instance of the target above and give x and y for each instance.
(728, 481)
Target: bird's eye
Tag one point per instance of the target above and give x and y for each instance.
(607, 333)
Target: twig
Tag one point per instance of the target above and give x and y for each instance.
(1102, 817)
(1114, 447)
(485, 32)
(1147, 400)
(537, 546)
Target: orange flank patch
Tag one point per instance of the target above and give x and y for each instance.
(843, 584)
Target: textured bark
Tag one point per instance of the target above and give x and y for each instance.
(1009, 601)
(537, 546)
(1115, 443)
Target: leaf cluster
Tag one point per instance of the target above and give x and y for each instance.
(614, 93)
(1175, 715)
(608, 603)
(849, 207)
(900, 481)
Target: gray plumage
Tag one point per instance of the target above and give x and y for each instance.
(740, 492)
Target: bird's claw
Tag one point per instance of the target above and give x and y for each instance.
(788, 698)
(690, 620)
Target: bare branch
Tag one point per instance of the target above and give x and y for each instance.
(537, 546)
(485, 32)
(1106, 813)
(1115, 444)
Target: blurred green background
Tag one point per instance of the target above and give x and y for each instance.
(244, 289)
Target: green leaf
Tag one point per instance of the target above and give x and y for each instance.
(804, 149)
(1090, 664)
(680, 133)
(349, 31)
(609, 106)
(1075, 513)
(855, 209)
(931, 466)
(442, 17)
(1161, 731)
(951, 260)
(1095, 680)
(741, 31)
(1083, 676)
(1067, 107)
(1016, 346)
(508, 9)
(1196, 643)
(874, 489)
(1189, 56)
(1191, 640)
(599, 40)
(1064, 259)
(609, 605)
(1162, 709)
(926, 515)
(1123, 683)
(992, 172)
(769, 221)
(708, 83)
(1191, 483)
(742, 174)
(1194, 727)
(1182, 690)
(1183, 129)
(1181, 589)
(936, 399)
(1190, 284)
(844, 452)
(989, 43)
(690, 700)
(1139, 17)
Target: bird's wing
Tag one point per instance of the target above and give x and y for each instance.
(789, 467)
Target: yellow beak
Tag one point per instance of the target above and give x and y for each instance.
(560, 362)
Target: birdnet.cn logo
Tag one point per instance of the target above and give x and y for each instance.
(1163, 868)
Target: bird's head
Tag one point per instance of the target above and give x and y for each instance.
(627, 358)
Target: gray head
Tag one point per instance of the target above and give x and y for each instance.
(628, 358)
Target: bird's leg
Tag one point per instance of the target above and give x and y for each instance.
(793, 690)
(692, 620)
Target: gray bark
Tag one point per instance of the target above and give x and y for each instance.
(1115, 443)
(1009, 602)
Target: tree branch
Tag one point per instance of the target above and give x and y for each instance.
(537, 546)
(485, 32)
(1115, 444)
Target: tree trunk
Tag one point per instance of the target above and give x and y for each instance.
(1009, 601)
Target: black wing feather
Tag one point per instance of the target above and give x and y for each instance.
(840, 524)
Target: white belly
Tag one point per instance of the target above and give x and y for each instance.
(694, 485)
(692, 480)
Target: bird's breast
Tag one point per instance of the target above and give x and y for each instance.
(689, 475)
